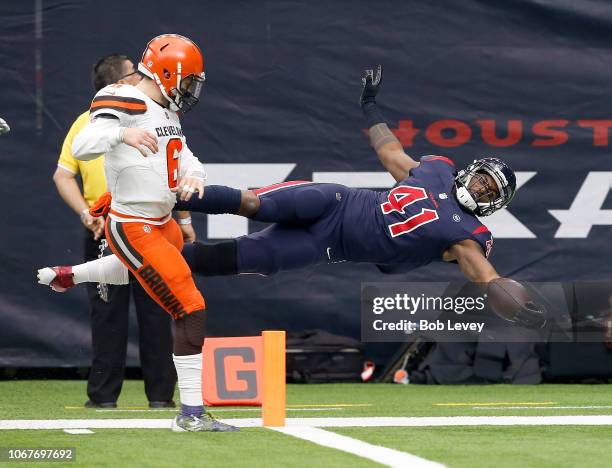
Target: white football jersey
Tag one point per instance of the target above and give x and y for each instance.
(140, 186)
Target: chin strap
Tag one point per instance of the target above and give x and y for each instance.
(464, 197)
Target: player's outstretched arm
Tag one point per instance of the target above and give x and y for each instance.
(388, 148)
(508, 298)
(472, 262)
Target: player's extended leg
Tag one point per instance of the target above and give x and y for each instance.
(297, 203)
(278, 248)
(294, 202)
(303, 212)
(291, 204)
(265, 252)
(203, 259)
(108, 270)
(304, 233)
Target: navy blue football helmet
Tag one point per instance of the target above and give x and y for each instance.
(504, 178)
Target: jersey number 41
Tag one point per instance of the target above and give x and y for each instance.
(399, 198)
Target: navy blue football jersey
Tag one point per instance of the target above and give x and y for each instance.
(412, 224)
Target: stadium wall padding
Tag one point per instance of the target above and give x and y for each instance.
(529, 81)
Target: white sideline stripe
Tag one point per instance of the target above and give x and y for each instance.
(594, 420)
(78, 431)
(383, 455)
(152, 410)
(213, 411)
(540, 407)
(86, 424)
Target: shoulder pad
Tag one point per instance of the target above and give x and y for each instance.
(116, 99)
(431, 158)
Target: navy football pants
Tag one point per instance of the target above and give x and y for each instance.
(307, 228)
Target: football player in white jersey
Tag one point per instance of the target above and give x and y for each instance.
(147, 163)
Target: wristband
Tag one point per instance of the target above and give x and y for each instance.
(84, 213)
(184, 221)
(372, 114)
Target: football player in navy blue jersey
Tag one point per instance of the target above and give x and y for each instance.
(429, 215)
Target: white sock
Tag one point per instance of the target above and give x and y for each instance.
(107, 270)
(189, 373)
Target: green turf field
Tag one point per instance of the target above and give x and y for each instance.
(461, 446)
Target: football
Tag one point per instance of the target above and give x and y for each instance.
(507, 297)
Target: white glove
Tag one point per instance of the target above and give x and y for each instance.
(4, 127)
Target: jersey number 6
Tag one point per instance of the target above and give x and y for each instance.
(399, 198)
(173, 149)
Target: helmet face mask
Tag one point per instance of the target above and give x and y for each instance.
(473, 189)
(187, 95)
(176, 65)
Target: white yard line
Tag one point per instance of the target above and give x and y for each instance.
(383, 455)
(78, 431)
(593, 420)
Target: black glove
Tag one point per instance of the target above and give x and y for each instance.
(531, 315)
(371, 83)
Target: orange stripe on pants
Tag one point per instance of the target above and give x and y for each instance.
(153, 254)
